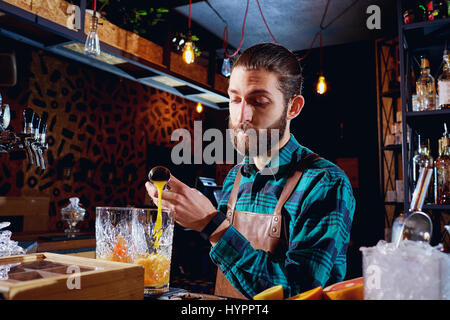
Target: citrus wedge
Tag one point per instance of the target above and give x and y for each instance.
(313, 294)
(273, 293)
(352, 289)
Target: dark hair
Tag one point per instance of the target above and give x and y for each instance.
(278, 59)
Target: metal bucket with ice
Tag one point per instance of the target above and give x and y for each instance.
(139, 236)
(413, 270)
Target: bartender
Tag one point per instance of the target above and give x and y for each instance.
(286, 213)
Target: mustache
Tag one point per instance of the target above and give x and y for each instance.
(241, 126)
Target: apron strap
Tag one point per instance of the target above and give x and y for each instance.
(231, 205)
(293, 180)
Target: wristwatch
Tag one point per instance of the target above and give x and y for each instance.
(212, 225)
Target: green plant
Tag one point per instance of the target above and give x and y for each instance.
(132, 15)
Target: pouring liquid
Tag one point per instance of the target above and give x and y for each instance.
(157, 231)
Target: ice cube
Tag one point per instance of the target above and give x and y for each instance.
(413, 270)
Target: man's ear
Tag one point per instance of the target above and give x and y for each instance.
(295, 106)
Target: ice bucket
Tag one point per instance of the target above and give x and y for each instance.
(413, 270)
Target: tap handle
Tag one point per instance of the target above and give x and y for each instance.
(28, 115)
(44, 117)
(42, 131)
(36, 122)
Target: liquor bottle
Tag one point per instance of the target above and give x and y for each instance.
(423, 159)
(420, 11)
(444, 83)
(442, 172)
(425, 87)
(443, 9)
(430, 11)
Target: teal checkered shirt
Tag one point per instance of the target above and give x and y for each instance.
(318, 215)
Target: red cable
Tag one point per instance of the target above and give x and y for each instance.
(243, 27)
(190, 4)
(95, 5)
(318, 33)
(225, 40)
(268, 29)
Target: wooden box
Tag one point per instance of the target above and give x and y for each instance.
(52, 276)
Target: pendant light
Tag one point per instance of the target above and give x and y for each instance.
(188, 49)
(92, 44)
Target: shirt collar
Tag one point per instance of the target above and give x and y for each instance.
(277, 166)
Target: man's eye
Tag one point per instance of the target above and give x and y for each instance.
(260, 101)
(235, 100)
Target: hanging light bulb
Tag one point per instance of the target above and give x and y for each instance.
(188, 52)
(226, 67)
(199, 108)
(321, 87)
(92, 44)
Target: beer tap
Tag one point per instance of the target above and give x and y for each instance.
(41, 143)
(34, 141)
(5, 115)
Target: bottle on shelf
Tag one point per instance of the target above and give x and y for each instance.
(442, 170)
(420, 11)
(444, 83)
(432, 13)
(442, 6)
(422, 159)
(425, 87)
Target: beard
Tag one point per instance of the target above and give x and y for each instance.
(252, 142)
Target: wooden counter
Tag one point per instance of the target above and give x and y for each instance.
(81, 245)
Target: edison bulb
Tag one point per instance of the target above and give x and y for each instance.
(226, 67)
(188, 52)
(321, 85)
(199, 107)
(92, 44)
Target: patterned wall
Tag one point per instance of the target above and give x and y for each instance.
(100, 128)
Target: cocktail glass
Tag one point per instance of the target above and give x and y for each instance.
(129, 235)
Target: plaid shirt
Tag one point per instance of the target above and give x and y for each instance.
(318, 215)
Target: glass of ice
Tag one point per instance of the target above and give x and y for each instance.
(138, 236)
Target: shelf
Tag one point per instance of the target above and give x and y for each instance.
(429, 121)
(393, 203)
(123, 53)
(427, 33)
(426, 24)
(391, 94)
(443, 207)
(393, 147)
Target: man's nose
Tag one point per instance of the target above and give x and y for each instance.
(246, 112)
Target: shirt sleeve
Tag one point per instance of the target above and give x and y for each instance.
(318, 237)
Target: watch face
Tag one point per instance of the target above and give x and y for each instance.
(5, 116)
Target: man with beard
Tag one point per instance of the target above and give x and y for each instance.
(286, 213)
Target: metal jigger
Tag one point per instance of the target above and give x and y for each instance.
(415, 225)
(159, 173)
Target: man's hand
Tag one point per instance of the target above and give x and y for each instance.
(191, 208)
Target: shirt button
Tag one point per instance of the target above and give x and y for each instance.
(275, 219)
(274, 229)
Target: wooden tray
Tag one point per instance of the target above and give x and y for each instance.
(52, 276)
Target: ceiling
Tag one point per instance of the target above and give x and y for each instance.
(293, 23)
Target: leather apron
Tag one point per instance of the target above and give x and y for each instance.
(263, 231)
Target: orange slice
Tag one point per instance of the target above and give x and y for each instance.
(352, 289)
(273, 293)
(313, 294)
